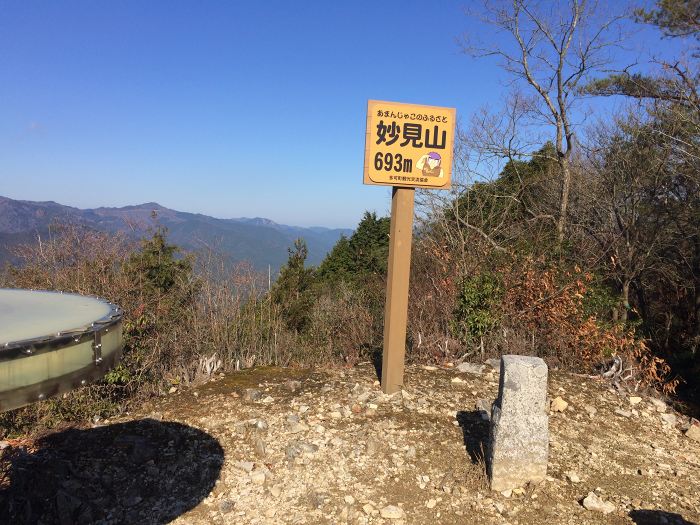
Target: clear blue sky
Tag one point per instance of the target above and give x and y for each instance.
(226, 108)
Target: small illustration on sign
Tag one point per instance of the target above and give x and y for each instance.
(430, 165)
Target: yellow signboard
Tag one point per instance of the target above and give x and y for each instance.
(409, 145)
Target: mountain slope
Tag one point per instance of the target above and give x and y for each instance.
(259, 241)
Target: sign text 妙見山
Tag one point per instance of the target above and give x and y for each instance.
(409, 145)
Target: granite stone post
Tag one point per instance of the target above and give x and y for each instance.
(519, 444)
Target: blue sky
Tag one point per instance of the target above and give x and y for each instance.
(225, 108)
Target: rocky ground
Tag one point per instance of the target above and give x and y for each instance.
(297, 446)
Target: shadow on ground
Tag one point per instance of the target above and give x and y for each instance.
(143, 471)
(376, 358)
(475, 431)
(656, 517)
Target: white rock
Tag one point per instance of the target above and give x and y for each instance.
(260, 424)
(260, 448)
(391, 512)
(458, 380)
(635, 400)
(295, 428)
(245, 466)
(669, 419)
(470, 368)
(257, 477)
(595, 503)
(431, 503)
(573, 477)
(590, 410)
(558, 405)
(349, 500)
(494, 363)
(659, 405)
(407, 395)
(693, 431)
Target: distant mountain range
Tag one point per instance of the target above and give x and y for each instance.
(259, 241)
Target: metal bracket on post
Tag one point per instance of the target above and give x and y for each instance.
(97, 347)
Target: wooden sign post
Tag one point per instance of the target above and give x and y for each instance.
(396, 307)
(406, 146)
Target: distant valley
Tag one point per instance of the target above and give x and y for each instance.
(259, 241)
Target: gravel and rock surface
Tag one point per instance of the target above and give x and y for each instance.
(326, 446)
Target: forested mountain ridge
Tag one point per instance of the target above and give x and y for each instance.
(259, 241)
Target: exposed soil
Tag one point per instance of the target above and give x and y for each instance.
(326, 446)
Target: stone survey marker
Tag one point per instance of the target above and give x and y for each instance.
(519, 441)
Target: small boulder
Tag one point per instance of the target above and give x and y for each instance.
(226, 506)
(251, 395)
(573, 477)
(493, 363)
(659, 405)
(292, 385)
(372, 446)
(623, 413)
(590, 410)
(391, 512)
(470, 368)
(257, 477)
(669, 419)
(245, 466)
(298, 448)
(260, 424)
(260, 448)
(693, 431)
(596, 503)
(558, 405)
